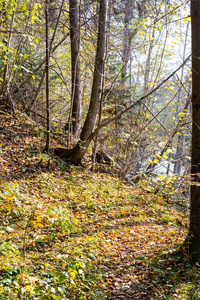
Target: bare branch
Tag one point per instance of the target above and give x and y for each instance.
(117, 116)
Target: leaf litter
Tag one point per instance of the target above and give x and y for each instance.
(68, 233)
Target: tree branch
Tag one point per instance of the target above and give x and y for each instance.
(117, 116)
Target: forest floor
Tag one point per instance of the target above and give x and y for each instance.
(69, 233)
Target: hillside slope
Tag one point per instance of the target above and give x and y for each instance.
(68, 233)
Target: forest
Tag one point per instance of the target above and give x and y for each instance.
(99, 149)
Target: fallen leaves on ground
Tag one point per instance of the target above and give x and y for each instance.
(68, 233)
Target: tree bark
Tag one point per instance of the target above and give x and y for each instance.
(6, 41)
(76, 154)
(47, 77)
(128, 36)
(194, 228)
(75, 113)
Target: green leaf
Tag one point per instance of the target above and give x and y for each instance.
(61, 278)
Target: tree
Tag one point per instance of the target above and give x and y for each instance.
(194, 228)
(76, 154)
(75, 111)
(51, 50)
(7, 22)
(130, 7)
(47, 76)
(135, 53)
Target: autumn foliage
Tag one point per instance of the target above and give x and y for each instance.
(68, 233)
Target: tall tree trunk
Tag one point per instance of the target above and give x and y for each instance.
(181, 138)
(76, 154)
(6, 41)
(130, 33)
(148, 63)
(128, 36)
(47, 77)
(194, 228)
(75, 113)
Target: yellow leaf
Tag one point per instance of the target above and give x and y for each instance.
(72, 275)
(40, 225)
(187, 19)
(169, 151)
(36, 225)
(11, 197)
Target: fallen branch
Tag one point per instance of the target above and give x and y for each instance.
(103, 157)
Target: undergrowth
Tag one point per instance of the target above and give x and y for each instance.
(68, 233)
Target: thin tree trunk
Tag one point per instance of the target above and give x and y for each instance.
(75, 112)
(148, 63)
(181, 138)
(37, 69)
(77, 153)
(128, 36)
(44, 71)
(7, 42)
(47, 78)
(129, 33)
(99, 122)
